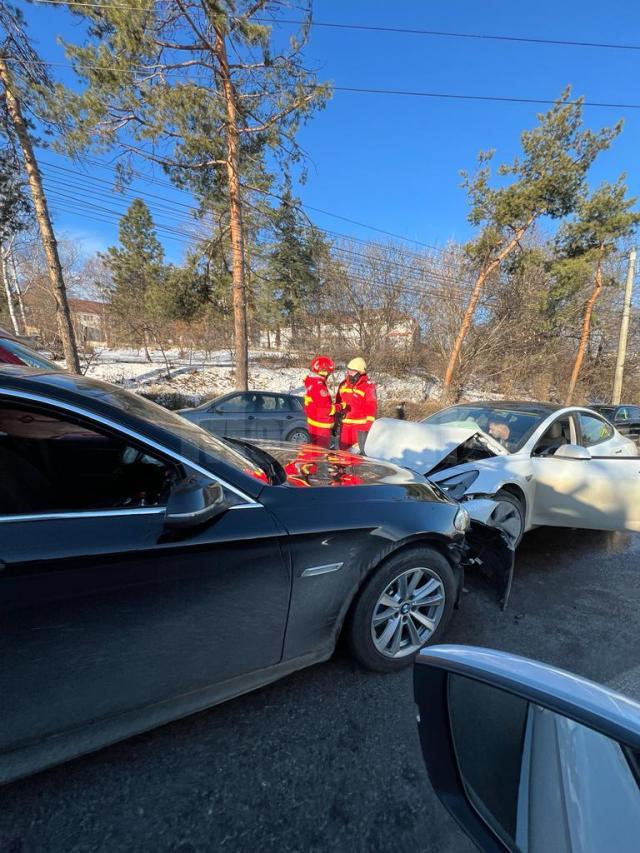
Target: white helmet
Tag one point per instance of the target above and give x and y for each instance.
(358, 364)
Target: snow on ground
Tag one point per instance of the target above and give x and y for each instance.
(197, 375)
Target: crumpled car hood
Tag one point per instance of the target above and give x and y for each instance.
(422, 446)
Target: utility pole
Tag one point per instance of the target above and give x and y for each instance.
(624, 330)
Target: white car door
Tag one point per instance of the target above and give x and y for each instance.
(597, 493)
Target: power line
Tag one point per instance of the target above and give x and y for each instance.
(425, 279)
(457, 35)
(383, 29)
(411, 274)
(465, 97)
(153, 180)
(58, 193)
(456, 96)
(70, 204)
(404, 289)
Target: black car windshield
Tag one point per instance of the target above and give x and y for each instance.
(25, 355)
(172, 422)
(511, 427)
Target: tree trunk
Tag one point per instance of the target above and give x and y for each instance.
(8, 290)
(584, 337)
(16, 287)
(483, 275)
(145, 346)
(65, 326)
(235, 218)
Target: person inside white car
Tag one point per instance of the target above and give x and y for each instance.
(499, 429)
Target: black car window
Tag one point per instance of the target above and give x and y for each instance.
(622, 414)
(193, 436)
(594, 430)
(297, 404)
(51, 464)
(634, 412)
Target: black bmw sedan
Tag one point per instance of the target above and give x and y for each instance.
(149, 569)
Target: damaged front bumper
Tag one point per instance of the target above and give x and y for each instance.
(490, 545)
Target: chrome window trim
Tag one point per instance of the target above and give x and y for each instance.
(149, 442)
(90, 513)
(98, 513)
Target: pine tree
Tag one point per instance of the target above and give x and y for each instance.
(584, 245)
(292, 269)
(137, 269)
(546, 181)
(200, 87)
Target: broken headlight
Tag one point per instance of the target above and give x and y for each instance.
(462, 520)
(455, 487)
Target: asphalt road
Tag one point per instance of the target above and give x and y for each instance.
(328, 759)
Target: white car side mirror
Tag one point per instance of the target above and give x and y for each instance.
(572, 451)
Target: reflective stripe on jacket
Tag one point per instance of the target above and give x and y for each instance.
(318, 405)
(362, 401)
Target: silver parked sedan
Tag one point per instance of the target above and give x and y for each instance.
(252, 414)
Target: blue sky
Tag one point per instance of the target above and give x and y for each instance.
(393, 161)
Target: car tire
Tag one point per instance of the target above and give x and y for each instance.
(298, 436)
(506, 497)
(368, 615)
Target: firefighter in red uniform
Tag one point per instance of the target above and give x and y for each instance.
(318, 405)
(357, 398)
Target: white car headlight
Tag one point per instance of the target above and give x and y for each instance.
(455, 487)
(462, 520)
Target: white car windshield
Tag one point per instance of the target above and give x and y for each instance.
(511, 427)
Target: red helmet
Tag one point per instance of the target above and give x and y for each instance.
(322, 364)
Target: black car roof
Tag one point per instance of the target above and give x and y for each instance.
(98, 398)
(612, 405)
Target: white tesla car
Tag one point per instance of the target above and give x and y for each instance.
(544, 464)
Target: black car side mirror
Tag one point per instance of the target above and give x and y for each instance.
(193, 501)
(527, 757)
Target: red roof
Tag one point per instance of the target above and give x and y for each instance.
(88, 306)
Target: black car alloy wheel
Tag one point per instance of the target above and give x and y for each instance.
(406, 604)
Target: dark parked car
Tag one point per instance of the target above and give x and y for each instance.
(253, 414)
(15, 351)
(149, 569)
(625, 418)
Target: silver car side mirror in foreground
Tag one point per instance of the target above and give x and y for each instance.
(572, 451)
(527, 757)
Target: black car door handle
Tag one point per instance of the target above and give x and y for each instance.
(289, 417)
(250, 418)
